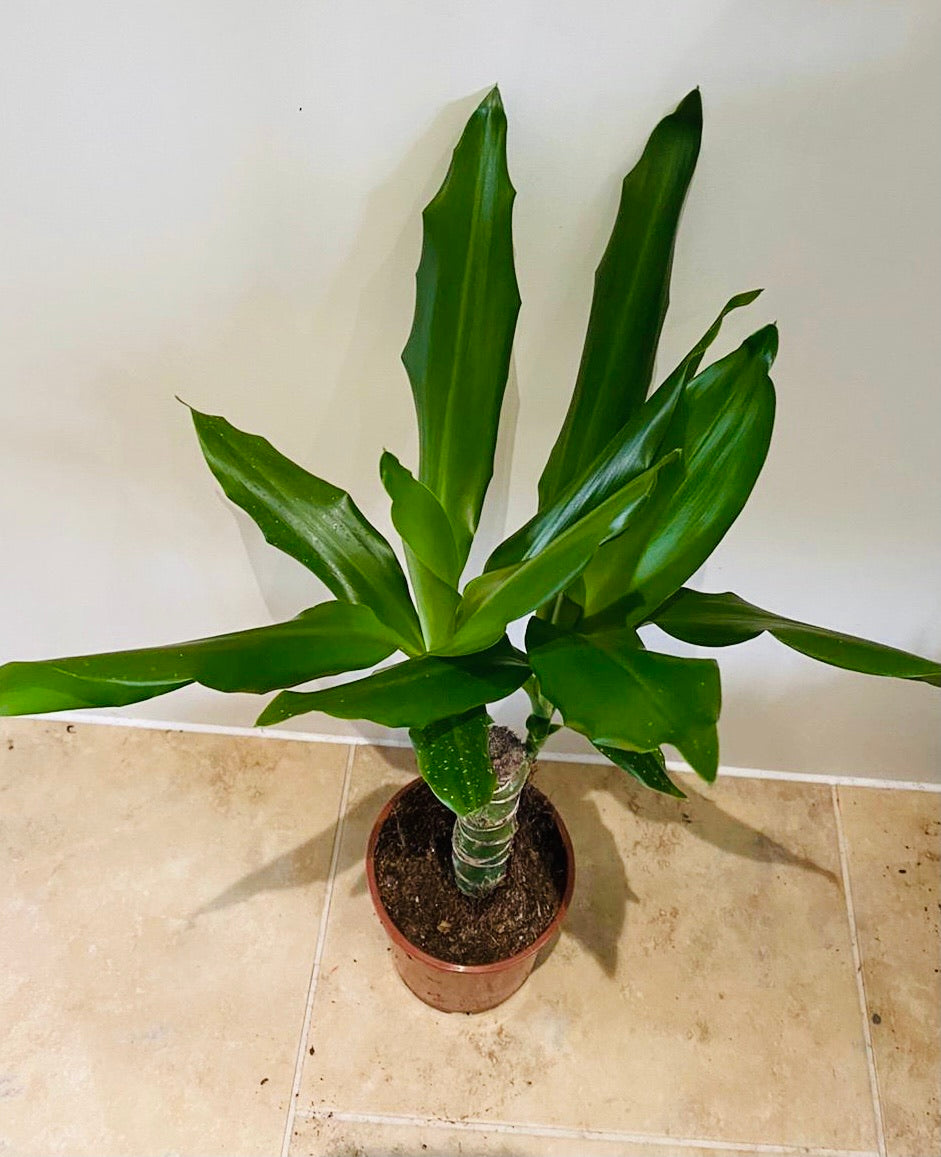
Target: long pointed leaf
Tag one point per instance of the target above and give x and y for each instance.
(631, 451)
(649, 767)
(454, 760)
(414, 693)
(687, 368)
(421, 520)
(623, 697)
(467, 301)
(723, 425)
(720, 620)
(314, 522)
(500, 597)
(630, 298)
(430, 551)
(326, 640)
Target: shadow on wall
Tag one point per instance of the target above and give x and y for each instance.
(817, 388)
(371, 408)
(829, 722)
(287, 337)
(837, 506)
(603, 892)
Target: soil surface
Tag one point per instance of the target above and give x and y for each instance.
(416, 881)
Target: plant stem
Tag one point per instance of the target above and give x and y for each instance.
(482, 840)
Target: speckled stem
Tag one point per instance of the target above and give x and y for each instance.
(482, 840)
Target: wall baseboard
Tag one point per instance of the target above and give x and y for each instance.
(677, 766)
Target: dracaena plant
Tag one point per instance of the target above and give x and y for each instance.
(636, 494)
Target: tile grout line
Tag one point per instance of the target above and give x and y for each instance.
(562, 1133)
(676, 765)
(318, 954)
(294, 1112)
(858, 967)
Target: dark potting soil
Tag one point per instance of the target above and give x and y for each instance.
(416, 881)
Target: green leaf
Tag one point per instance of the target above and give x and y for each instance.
(687, 368)
(421, 520)
(720, 620)
(631, 451)
(499, 597)
(467, 300)
(622, 696)
(454, 760)
(325, 640)
(414, 693)
(430, 550)
(630, 298)
(647, 766)
(723, 425)
(538, 730)
(314, 522)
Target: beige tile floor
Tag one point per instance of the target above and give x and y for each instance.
(189, 965)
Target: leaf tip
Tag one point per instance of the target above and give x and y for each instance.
(492, 102)
(272, 714)
(764, 343)
(690, 107)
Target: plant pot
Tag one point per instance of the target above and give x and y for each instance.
(464, 987)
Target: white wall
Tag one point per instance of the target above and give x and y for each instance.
(221, 200)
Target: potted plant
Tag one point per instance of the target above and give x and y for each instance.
(636, 494)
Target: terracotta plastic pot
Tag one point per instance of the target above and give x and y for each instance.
(463, 987)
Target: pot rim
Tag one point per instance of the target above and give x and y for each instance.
(402, 941)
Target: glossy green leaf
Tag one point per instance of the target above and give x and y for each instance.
(687, 368)
(624, 697)
(630, 299)
(649, 767)
(326, 640)
(723, 425)
(414, 693)
(314, 522)
(430, 550)
(720, 620)
(631, 450)
(500, 597)
(467, 300)
(420, 519)
(454, 760)
(538, 730)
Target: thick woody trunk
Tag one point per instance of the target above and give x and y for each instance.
(483, 840)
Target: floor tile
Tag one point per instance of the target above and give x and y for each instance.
(160, 898)
(336, 1137)
(892, 840)
(704, 986)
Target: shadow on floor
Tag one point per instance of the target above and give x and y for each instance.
(597, 917)
(308, 863)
